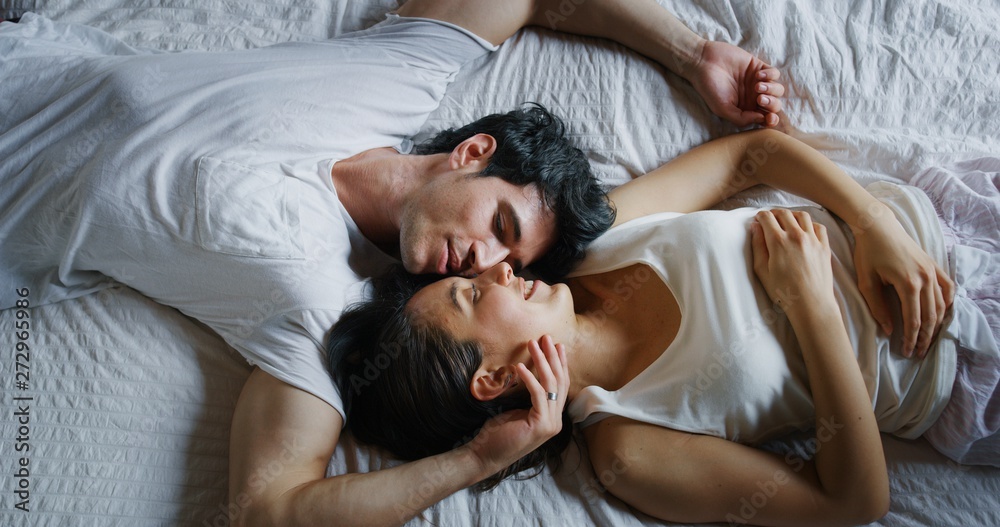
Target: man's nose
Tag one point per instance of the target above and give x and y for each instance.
(483, 256)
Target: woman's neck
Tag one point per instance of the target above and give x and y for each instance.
(625, 320)
(595, 354)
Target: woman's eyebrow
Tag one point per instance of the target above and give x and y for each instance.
(453, 292)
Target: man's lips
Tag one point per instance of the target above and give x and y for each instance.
(454, 262)
(449, 262)
(442, 266)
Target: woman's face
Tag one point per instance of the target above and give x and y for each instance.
(501, 311)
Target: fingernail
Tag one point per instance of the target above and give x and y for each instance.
(762, 75)
(762, 87)
(764, 99)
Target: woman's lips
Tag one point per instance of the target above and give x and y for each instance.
(530, 287)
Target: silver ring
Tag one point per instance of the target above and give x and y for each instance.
(552, 396)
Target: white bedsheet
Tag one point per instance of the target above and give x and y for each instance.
(132, 401)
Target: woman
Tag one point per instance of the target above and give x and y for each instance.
(692, 337)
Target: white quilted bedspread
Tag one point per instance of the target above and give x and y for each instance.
(131, 402)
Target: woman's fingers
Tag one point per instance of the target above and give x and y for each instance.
(942, 291)
(543, 363)
(820, 231)
(555, 355)
(791, 222)
(770, 227)
(929, 316)
(551, 377)
(758, 247)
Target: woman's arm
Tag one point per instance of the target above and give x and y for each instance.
(723, 167)
(694, 478)
(792, 255)
(884, 255)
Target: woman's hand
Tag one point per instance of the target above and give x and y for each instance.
(511, 435)
(885, 255)
(738, 86)
(791, 257)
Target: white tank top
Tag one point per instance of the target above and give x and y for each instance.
(735, 368)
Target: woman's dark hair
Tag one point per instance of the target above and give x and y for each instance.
(532, 148)
(405, 384)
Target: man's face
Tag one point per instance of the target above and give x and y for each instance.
(464, 224)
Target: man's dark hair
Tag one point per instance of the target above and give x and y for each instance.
(532, 148)
(405, 384)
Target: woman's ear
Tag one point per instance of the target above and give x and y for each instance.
(488, 385)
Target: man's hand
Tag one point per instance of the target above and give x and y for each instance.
(885, 255)
(738, 86)
(512, 435)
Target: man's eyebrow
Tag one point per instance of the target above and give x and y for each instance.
(515, 223)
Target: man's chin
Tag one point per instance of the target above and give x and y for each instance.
(417, 266)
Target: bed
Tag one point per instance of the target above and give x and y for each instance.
(125, 420)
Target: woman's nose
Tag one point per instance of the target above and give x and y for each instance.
(502, 273)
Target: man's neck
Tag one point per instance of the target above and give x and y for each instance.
(373, 186)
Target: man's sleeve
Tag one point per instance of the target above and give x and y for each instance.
(423, 43)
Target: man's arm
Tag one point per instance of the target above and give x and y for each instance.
(282, 439)
(280, 445)
(736, 85)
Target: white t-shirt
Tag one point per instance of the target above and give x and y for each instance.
(202, 179)
(735, 369)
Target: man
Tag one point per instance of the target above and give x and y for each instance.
(246, 203)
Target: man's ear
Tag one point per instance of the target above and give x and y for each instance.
(488, 385)
(475, 150)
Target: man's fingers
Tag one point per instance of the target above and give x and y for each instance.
(768, 74)
(769, 103)
(770, 88)
(741, 117)
(769, 95)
